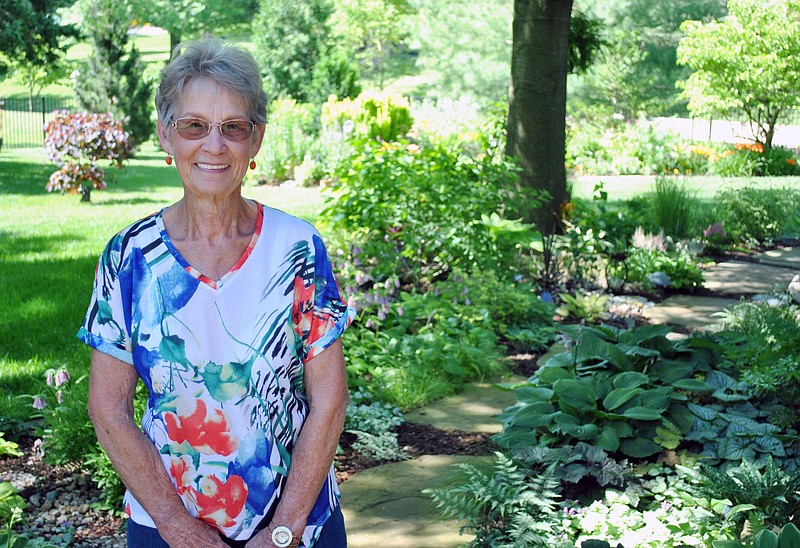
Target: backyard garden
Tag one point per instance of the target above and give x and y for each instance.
(625, 433)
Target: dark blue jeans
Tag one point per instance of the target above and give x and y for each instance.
(333, 535)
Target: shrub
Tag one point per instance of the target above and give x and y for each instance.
(754, 214)
(623, 391)
(371, 115)
(287, 141)
(421, 212)
(761, 341)
(77, 142)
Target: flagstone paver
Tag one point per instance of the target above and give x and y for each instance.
(689, 311)
(788, 257)
(742, 278)
(384, 507)
(473, 410)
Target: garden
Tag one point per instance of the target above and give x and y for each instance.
(628, 434)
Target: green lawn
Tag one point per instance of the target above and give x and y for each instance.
(50, 245)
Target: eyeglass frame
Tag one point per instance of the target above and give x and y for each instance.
(174, 125)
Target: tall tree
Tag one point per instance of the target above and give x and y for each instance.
(371, 28)
(293, 38)
(112, 79)
(537, 102)
(32, 39)
(745, 64)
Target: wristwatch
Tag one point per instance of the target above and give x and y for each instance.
(282, 536)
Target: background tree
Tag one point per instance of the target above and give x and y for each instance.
(372, 29)
(745, 64)
(466, 47)
(293, 37)
(112, 80)
(537, 97)
(189, 19)
(33, 39)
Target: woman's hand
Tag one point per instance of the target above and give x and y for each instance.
(192, 534)
(262, 540)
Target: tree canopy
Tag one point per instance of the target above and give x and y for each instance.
(745, 64)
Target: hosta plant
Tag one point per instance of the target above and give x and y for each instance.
(624, 391)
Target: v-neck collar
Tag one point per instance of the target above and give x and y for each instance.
(192, 271)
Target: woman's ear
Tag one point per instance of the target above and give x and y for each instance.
(163, 138)
(258, 139)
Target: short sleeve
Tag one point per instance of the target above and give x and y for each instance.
(320, 314)
(105, 326)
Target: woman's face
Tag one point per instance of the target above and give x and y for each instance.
(213, 165)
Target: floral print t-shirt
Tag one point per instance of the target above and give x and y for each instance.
(223, 361)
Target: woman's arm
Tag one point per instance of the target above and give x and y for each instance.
(325, 381)
(111, 388)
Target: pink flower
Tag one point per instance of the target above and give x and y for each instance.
(39, 403)
(49, 377)
(62, 377)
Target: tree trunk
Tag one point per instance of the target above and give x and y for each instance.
(174, 40)
(537, 103)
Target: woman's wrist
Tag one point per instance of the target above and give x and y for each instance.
(283, 536)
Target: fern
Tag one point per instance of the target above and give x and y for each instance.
(505, 506)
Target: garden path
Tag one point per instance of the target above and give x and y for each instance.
(384, 506)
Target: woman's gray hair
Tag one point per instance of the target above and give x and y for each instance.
(226, 64)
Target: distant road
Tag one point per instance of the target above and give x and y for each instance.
(723, 131)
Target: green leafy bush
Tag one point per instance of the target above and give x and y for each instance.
(674, 206)
(371, 115)
(764, 495)
(755, 214)
(623, 391)
(373, 424)
(418, 212)
(761, 341)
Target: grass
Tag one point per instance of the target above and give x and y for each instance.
(50, 248)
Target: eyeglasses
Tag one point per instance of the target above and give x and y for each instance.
(197, 128)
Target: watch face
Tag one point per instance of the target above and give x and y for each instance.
(282, 536)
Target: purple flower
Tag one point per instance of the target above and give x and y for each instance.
(381, 314)
(546, 297)
(714, 229)
(60, 396)
(62, 377)
(49, 377)
(39, 403)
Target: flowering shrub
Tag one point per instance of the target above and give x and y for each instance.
(77, 142)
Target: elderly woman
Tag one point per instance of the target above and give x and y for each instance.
(228, 311)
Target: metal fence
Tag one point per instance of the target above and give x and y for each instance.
(22, 121)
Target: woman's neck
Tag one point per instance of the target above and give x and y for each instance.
(211, 220)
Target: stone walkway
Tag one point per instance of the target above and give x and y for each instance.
(384, 506)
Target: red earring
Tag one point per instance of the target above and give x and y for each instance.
(168, 159)
(252, 164)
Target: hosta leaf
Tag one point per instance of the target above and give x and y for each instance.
(529, 394)
(620, 396)
(608, 439)
(655, 399)
(515, 437)
(670, 372)
(623, 429)
(575, 392)
(533, 415)
(680, 415)
(630, 379)
(643, 413)
(695, 385)
(562, 360)
(549, 375)
(789, 537)
(639, 447)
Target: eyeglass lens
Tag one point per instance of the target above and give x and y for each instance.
(197, 128)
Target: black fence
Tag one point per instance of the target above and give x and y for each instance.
(22, 121)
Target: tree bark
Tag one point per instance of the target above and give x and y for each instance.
(537, 103)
